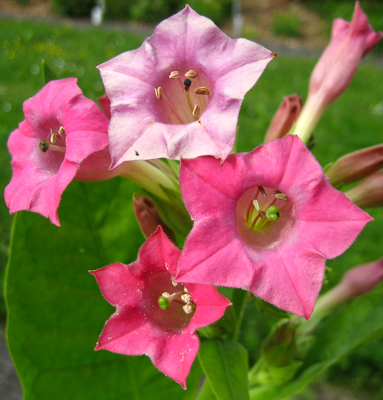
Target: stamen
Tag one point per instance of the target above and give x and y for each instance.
(262, 190)
(188, 308)
(61, 130)
(174, 74)
(202, 90)
(191, 74)
(174, 283)
(276, 191)
(196, 111)
(256, 205)
(186, 298)
(53, 138)
(187, 84)
(158, 92)
(281, 196)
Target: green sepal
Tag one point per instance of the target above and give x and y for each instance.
(265, 307)
(224, 327)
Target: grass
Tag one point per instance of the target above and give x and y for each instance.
(352, 122)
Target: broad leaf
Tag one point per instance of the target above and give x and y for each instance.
(345, 330)
(225, 365)
(56, 311)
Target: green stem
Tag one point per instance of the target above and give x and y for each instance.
(239, 299)
(205, 393)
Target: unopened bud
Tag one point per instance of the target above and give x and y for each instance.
(369, 193)
(355, 282)
(355, 166)
(148, 217)
(284, 118)
(279, 347)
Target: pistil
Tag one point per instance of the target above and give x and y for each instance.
(182, 298)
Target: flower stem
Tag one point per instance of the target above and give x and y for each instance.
(239, 299)
(205, 392)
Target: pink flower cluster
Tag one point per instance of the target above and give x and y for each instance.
(264, 221)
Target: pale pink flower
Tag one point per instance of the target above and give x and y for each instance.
(350, 42)
(140, 326)
(240, 240)
(156, 115)
(61, 129)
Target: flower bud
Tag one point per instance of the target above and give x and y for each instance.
(355, 282)
(148, 217)
(279, 347)
(350, 42)
(357, 165)
(284, 118)
(369, 193)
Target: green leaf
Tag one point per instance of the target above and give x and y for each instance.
(48, 73)
(55, 308)
(346, 329)
(225, 365)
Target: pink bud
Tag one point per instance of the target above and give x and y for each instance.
(148, 217)
(354, 166)
(284, 118)
(350, 42)
(369, 193)
(357, 281)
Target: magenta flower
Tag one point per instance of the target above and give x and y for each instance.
(350, 42)
(156, 316)
(265, 221)
(61, 129)
(179, 94)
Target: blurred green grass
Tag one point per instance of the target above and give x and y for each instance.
(352, 122)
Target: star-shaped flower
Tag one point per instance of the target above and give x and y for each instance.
(179, 94)
(61, 129)
(155, 315)
(265, 221)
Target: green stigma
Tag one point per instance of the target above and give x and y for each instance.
(44, 146)
(273, 213)
(163, 302)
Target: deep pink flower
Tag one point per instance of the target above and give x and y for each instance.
(280, 260)
(61, 129)
(140, 325)
(155, 114)
(350, 42)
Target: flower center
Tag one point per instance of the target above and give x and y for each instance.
(183, 98)
(263, 214)
(55, 141)
(169, 304)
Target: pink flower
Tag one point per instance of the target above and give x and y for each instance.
(179, 94)
(265, 221)
(156, 316)
(61, 129)
(350, 42)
